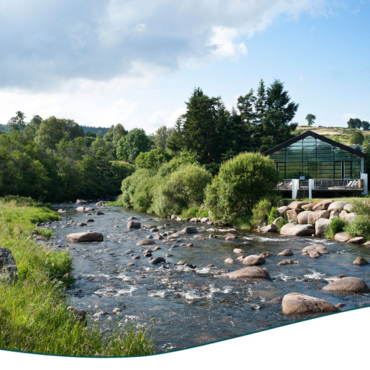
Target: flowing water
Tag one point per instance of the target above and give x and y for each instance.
(185, 307)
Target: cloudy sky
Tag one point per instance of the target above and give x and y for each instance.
(136, 62)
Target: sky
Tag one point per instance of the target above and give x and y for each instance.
(136, 62)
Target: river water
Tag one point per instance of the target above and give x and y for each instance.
(185, 307)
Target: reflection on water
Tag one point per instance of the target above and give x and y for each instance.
(185, 306)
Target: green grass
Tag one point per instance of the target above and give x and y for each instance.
(46, 233)
(33, 308)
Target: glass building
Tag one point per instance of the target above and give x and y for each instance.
(313, 156)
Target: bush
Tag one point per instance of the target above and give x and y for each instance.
(136, 190)
(180, 190)
(361, 207)
(152, 159)
(336, 226)
(241, 183)
(194, 211)
(360, 226)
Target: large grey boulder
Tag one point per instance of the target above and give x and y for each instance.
(145, 242)
(8, 267)
(314, 216)
(348, 207)
(269, 229)
(301, 304)
(342, 237)
(322, 226)
(323, 205)
(348, 285)
(333, 215)
(80, 209)
(303, 217)
(253, 260)
(315, 247)
(86, 237)
(297, 230)
(337, 206)
(308, 207)
(187, 230)
(281, 211)
(296, 204)
(360, 261)
(286, 252)
(349, 217)
(357, 240)
(292, 214)
(250, 272)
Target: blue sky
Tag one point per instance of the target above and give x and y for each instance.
(103, 62)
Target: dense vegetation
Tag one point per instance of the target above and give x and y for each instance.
(33, 307)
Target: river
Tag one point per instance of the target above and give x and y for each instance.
(185, 307)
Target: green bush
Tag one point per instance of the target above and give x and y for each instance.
(281, 223)
(152, 159)
(261, 211)
(180, 190)
(336, 226)
(360, 226)
(241, 183)
(194, 211)
(361, 207)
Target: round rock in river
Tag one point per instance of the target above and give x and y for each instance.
(301, 304)
(85, 237)
(250, 272)
(348, 285)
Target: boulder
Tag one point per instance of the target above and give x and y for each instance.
(348, 285)
(358, 240)
(342, 237)
(308, 207)
(315, 247)
(229, 260)
(301, 304)
(360, 261)
(230, 236)
(348, 207)
(157, 260)
(194, 219)
(323, 205)
(145, 242)
(203, 220)
(333, 215)
(173, 217)
(87, 237)
(78, 314)
(286, 252)
(292, 214)
(349, 217)
(133, 225)
(253, 260)
(269, 229)
(158, 237)
(281, 211)
(132, 218)
(297, 230)
(81, 201)
(317, 215)
(337, 206)
(288, 262)
(266, 254)
(80, 209)
(238, 251)
(90, 220)
(81, 224)
(8, 267)
(322, 226)
(343, 214)
(250, 272)
(296, 204)
(302, 217)
(188, 230)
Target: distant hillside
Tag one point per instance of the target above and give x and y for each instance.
(339, 134)
(95, 130)
(4, 128)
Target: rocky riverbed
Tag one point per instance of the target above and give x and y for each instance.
(188, 299)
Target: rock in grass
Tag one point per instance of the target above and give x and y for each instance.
(250, 272)
(86, 237)
(360, 261)
(8, 267)
(301, 304)
(348, 285)
(78, 314)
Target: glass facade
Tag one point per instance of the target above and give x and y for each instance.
(315, 159)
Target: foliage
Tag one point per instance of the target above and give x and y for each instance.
(241, 183)
(132, 144)
(180, 189)
(310, 119)
(336, 226)
(283, 221)
(360, 226)
(152, 159)
(357, 138)
(361, 207)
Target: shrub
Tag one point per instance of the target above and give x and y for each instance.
(194, 211)
(336, 226)
(241, 183)
(181, 189)
(361, 207)
(360, 226)
(281, 223)
(152, 159)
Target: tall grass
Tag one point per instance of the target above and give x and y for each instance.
(33, 308)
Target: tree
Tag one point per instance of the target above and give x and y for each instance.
(131, 145)
(357, 138)
(18, 122)
(310, 119)
(152, 159)
(354, 123)
(118, 132)
(365, 125)
(161, 136)
(239, 185)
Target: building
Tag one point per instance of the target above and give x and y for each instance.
(314, 166)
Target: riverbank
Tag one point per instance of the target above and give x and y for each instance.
(34, 312)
